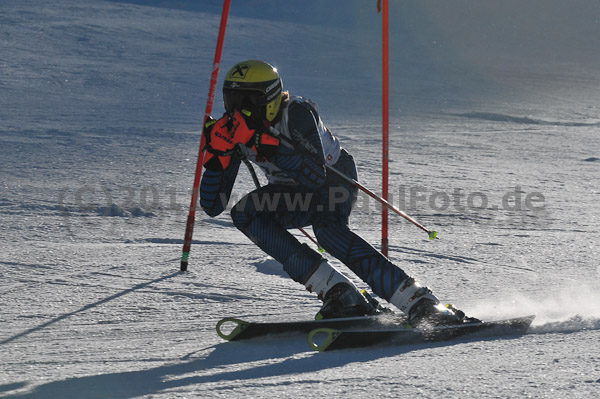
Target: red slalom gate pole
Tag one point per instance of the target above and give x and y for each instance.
(385, 123)
(189, 228)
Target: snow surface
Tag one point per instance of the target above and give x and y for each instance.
(494, 143)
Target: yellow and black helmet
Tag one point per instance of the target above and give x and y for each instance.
(253, 85)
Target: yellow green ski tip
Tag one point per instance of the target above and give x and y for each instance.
(432, 235)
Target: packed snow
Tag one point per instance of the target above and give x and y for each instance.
(495, 123)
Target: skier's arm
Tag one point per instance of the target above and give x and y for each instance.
(305, 161)
(216, 186)
(222, 161)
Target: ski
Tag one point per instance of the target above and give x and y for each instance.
(326, 339)
(233, 329)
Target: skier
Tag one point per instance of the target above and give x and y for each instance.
(285, 136)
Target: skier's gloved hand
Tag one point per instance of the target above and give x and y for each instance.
(211, 160)
(264, 143)
(222, 136)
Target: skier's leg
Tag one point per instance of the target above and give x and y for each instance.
(332, 232)
(268, 230)
(262, 217)
(361, 257)
(386, 279)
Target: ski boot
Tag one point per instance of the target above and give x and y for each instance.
(341, 298)
(424, 309)
(427, 312)
(344, 300)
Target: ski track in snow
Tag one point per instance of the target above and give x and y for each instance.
(494, 143)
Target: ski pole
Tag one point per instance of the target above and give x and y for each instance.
(432, 234)
(252, 172)
(189, 228)
(257, 184)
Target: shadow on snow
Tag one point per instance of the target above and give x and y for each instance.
(283, 356)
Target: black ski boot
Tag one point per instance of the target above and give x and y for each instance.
(424, 309)
(344, 300)
(428, 313)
